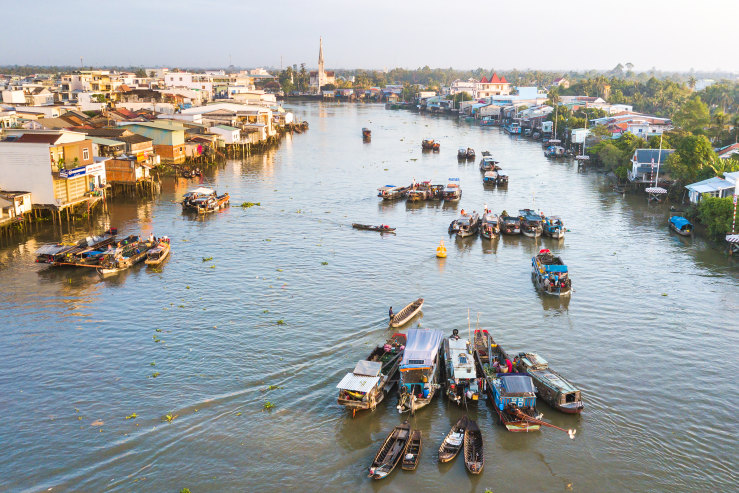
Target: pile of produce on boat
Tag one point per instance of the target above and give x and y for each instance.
(550, 274)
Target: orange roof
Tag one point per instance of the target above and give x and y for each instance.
(484, 80)
(494, 79)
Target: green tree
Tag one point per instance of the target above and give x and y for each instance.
(716, 214)
(690, 157)
(141, 73)
(693, 116)
(610, 156)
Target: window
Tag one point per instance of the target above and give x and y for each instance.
(85, 154)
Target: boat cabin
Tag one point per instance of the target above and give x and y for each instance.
(361, 381)
(514, 390)
(462, 381)
(551, 386)
(418, 369)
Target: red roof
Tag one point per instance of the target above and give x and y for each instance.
(38, 138)
(503, 81)
(484, 80)
(494, 79)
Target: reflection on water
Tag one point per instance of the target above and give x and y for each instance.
(294, 297)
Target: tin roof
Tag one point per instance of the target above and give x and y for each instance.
(357, 383)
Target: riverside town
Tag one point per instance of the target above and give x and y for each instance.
(273, 261)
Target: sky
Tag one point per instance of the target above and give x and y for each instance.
(671, 35)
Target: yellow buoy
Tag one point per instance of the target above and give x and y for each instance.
(441, 250)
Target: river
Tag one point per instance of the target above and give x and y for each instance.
(293, 297)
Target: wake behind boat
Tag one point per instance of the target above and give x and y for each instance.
(406, 314)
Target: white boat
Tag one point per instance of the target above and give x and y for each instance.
(462, 384)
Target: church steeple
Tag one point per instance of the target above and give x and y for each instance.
(321, 72)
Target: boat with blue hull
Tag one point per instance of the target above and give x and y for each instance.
(514, 394)
(551, 387)
(419, 369)
(553, 227)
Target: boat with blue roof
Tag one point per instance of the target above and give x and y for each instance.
(513, 396)
(553, 227)
(531, 223)
(550, 274)
(680, 225)
(419, 369)
(550, 385)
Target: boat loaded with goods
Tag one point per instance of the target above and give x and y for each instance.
(550, 274)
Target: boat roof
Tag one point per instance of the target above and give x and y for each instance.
(202, 191)
(533, 359)
(357, 383)
(555, 268)
(421, 348)
(368, 368)
(53, 249)
(462, 361)
(517, 384)
(679, 221)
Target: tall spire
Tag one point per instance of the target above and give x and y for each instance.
(320, 53)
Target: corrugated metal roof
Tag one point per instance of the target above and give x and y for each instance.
(368, 368)
(357, 383)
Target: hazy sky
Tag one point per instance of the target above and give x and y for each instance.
(501, 34)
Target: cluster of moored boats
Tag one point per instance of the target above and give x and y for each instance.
(423, 363)
(492, 172)
(491, 225)
(106, 253)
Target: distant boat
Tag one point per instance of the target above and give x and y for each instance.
(490, 227)
(383, 228)
(553, 227)
(680, 225)
(452, 192)
(159, 253)
(366, 133)
(510, 225)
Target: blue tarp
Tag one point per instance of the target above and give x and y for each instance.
(555, 268)
(421, 348)
(679, 221)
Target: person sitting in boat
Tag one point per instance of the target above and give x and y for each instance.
(496, 365)
(390, 313)
(151, 237)
(509, 365)
(462, 213)
(455, 335)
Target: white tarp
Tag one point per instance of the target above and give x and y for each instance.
(357, 383)
(422, 347)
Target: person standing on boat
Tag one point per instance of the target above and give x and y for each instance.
(509, 365)
(455, 335)
(390, 313)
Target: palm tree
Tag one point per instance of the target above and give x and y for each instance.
(691, 82)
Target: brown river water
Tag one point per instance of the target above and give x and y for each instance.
(650, 333)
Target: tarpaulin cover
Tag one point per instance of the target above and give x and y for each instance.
(679, 221)
(555, 268)
(517, 384)
(422, 348)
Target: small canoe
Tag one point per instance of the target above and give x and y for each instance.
(453, 441)
(412, 452)
(474, 459)
(158, 254)
(383, 228)
(407, 313)
(391, 451)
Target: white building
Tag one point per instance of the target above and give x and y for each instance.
(230, 135)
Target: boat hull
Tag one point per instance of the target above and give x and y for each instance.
(531, 234)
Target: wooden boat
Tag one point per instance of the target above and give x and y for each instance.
(462, 153)
(372, 379)
(190, 198)
(465, 225)
(509, 225)
(436, 146)
(470, 154)
(412, 452)
(474, 457)
(490, 177)
(383, 228)
(429, 145)
(454, 441)
(391, 192)
(158, 253)
(489, 227)
(366, 133)
(487, 163)
(211, 204)
(391, 452)
(407, 313)
(680, 225)
(462, 383)
(502, 179)
(550, 385)
(550, 274)
(553, 227)
(128, 252)
(84, 253)
(531, 223)
(452, 192)
(509, 394)
(419, 370)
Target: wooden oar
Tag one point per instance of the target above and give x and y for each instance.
(526, 417)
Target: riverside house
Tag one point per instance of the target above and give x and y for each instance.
(168, 138)
(645, 163)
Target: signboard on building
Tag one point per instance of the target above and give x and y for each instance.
(94, 168)
(71, 173)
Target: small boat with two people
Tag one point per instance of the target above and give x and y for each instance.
(462, 383)
(554, 228)
(391, 192)
(680, 225)
(391, 452)
(550, 274)
(406, 314)
(158, 254)
(453, 441)
(366, 133)
(382, 228)
(466, 224)
(452, 192)
(509, 225)
(489, 227)
(372, 379)
(531, 223)
(474, 456)
(430, 145)
(552, 387)
(412, 454)
(419, 370)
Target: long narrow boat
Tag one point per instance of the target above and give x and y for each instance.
(453, 441)
(366, 133)
(510, 395)
(413, 451)
(550, 385)
(84, 253)
(373, 378)
(462, 383)
(474, 457)
(407, 313)
(190, 198)
(419, 370)
(680, 225)
(383, 228)
(212, 204)
(391, 452)
(391, 192)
